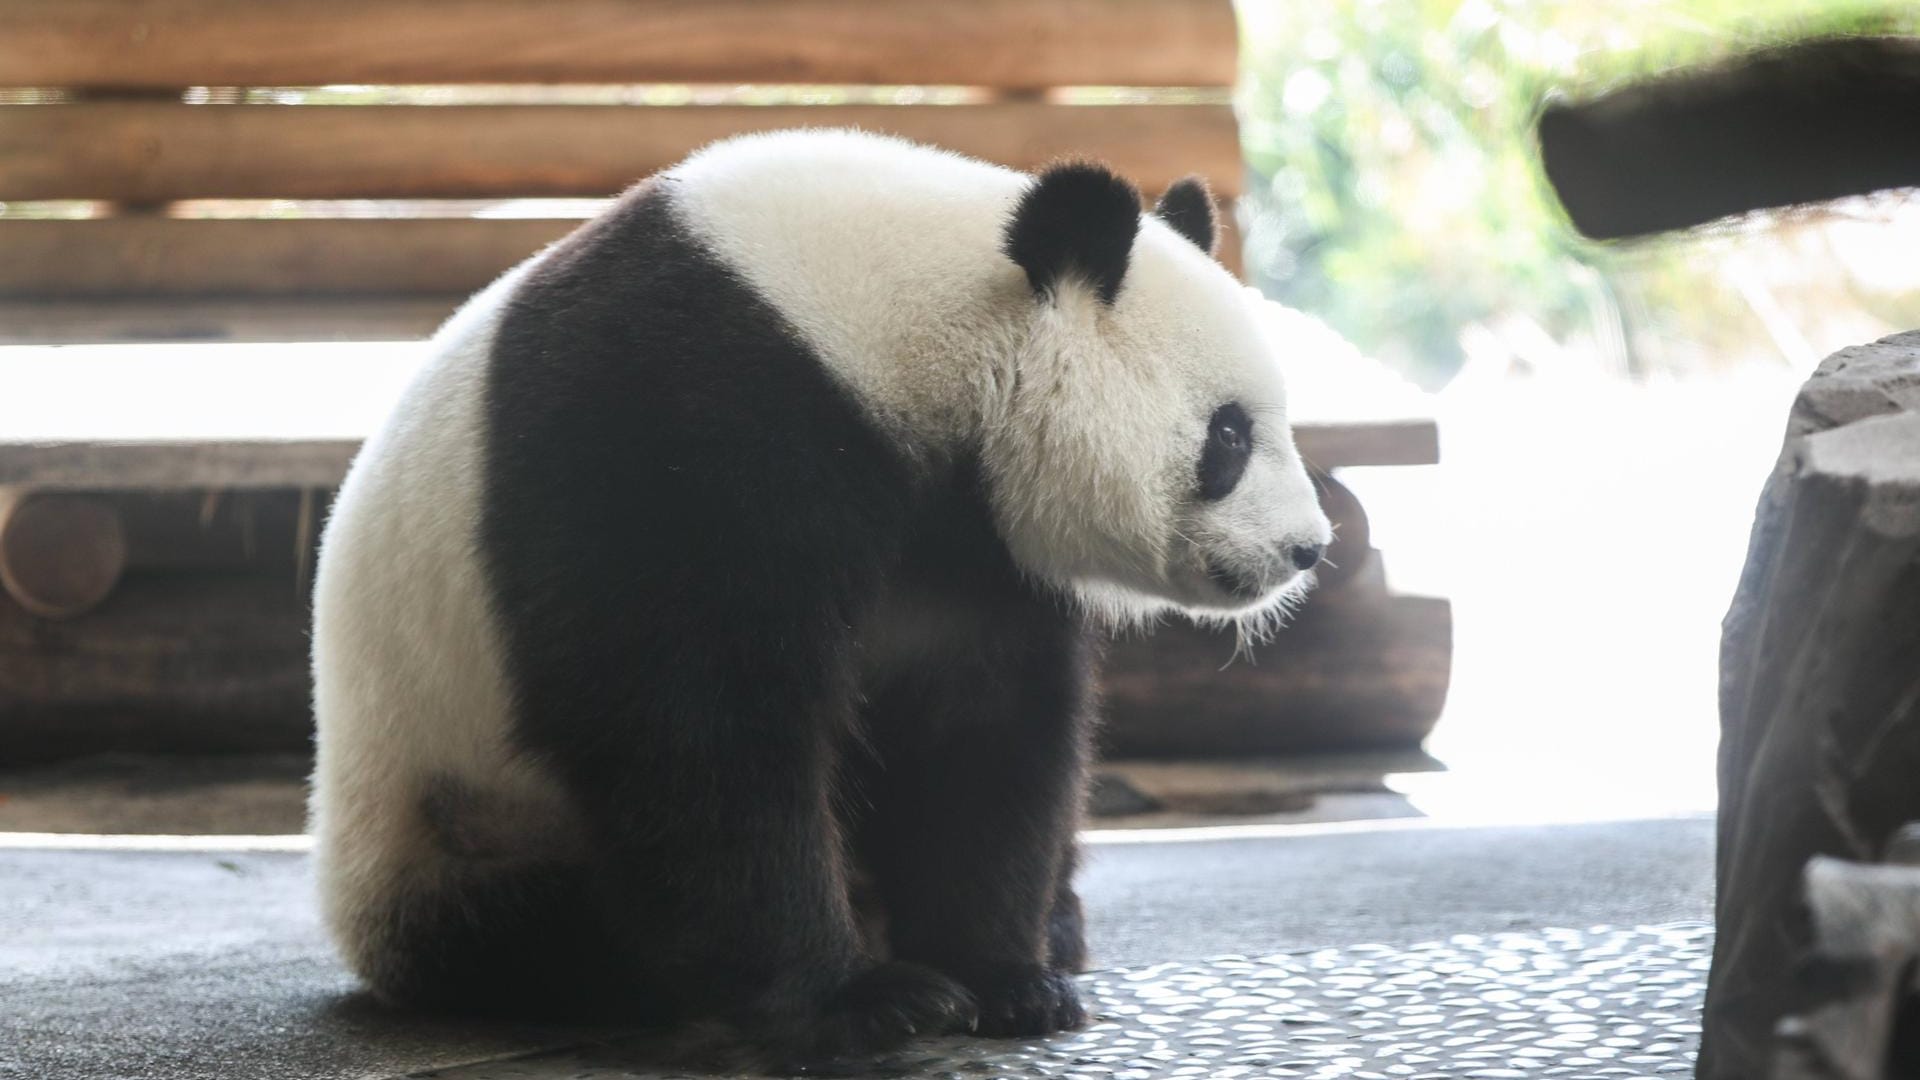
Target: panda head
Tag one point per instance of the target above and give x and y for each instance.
(1141, 456)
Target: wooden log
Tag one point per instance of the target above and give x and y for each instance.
(269, 531)
(145, 152)
(1807, 122)
(217, 661)
(171, 662)
(60, 554)
(1820, 682)
(1355, 670)
(998, 43)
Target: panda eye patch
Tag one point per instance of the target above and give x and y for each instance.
(1229, 445)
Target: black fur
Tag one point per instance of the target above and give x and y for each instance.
(1077, 220)
(704, 559)
(978, 722)
(1188, 206)
(1223, 461)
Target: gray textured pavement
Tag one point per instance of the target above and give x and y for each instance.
(207, 964)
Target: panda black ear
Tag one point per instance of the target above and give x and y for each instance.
(1188, 207)
(1077, 220)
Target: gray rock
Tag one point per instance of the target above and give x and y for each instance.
(1820, 683)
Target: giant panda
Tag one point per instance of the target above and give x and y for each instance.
(706, 639)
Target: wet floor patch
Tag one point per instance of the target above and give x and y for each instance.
(1600, 1003)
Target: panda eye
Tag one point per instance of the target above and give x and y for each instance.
(1229, 444)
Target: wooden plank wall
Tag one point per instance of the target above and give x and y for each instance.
(122, 129)
(1007, 44)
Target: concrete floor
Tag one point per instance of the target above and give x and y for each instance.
(208, 963)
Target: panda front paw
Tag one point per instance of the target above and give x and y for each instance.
(893, 1002)
(874, 1012)
(1027, 1002)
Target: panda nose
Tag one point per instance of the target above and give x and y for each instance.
(1306, 556)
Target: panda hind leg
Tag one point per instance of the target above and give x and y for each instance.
(509, 942)
(495, 915)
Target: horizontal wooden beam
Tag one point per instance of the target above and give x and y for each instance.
(149, 152)
(160, 256)
(81, 465)
(997, 43)
(149, 256)
(222, 319)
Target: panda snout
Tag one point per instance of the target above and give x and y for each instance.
(1305, 556)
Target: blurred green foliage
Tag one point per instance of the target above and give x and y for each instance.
(1395, 188)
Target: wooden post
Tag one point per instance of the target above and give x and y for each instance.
(60, 554)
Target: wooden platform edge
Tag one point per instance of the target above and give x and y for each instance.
(80, 464)
(1339, 444)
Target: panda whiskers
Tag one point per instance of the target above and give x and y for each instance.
(1256, 628)
(1243, 645)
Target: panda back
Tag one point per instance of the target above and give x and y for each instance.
(884, 256)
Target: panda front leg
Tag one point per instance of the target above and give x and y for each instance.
(974, 802)
(1066, 922)
(720, 873)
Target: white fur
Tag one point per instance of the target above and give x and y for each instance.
(408, 681)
